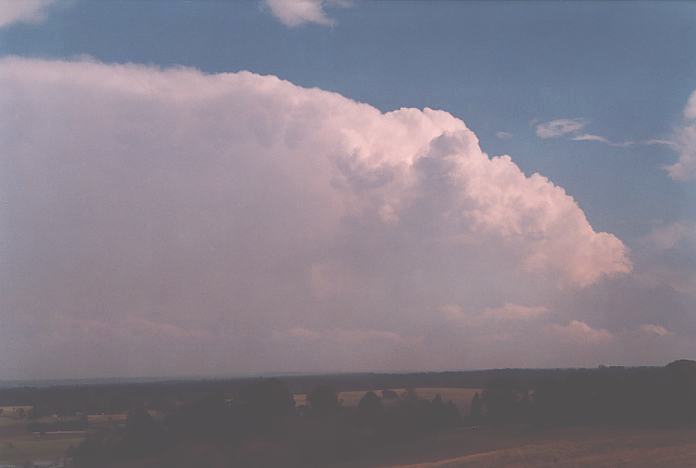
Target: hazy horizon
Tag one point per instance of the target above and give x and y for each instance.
(49, 382)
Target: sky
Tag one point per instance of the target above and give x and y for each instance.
(217, 188)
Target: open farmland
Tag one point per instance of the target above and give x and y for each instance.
(106, 420)
(461, 397)
(20, 448)
(11, 426)
(14, 412)
(19, 445)
(586, 446)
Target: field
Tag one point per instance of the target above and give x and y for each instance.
(11, 426)
(520, 447)
(21, 448)
(14, 411)
(461, 397)
(465, 446)
(105, 420)
(18, 446)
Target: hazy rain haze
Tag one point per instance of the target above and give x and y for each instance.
(221, 188)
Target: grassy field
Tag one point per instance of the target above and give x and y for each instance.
(18, 445)
(106, 419)
(6, 422)
(463, 447)
(573, 447)
(9, 413)
(24, 447)
(460, 396)
(7, 410)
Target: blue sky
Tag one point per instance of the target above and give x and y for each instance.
(621, 72)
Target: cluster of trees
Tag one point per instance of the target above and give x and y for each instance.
(263, 414)
(116, 396)
(608, 395)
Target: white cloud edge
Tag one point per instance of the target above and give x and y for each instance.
(295, 13)
(684, 144)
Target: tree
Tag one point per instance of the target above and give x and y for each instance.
(143, 434)
(503, 399)
(323, 401)
(265, 403)
(476, 408)
(207, 417)
(370, 407)
(410, 394)
(139, 423)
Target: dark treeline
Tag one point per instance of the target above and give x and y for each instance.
(261, 426)
(608, 395)
(119, 397)
(114, 397)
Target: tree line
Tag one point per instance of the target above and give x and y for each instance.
(607, 395)
(263, 414)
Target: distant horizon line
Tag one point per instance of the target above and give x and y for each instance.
(45, 382)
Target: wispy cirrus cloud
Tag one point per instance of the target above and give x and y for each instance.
(573, 130)
(669, 236)
(23, 11)
(560, 127)
(659, 142)
(601, 139)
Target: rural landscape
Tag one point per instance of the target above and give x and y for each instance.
(347, 233)
(611, 416)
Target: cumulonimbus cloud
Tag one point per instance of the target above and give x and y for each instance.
(131, 194)
(330, 156)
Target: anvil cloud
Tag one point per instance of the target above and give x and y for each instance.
(238, 207)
